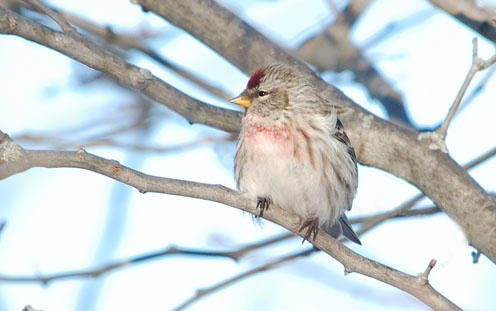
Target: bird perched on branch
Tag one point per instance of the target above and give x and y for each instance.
(292, 151)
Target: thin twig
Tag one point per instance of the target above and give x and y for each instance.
(389, 215)
(477, 90)
(171, 250)
(424, 277)
(368, 222)
(481, 158)
(478, 64)
(377, 219)
(135, 42)
(122, 118)
(200, 293)
(58, 18)
(58, 142)
(95, 272)
(425, 211)
(263, 243)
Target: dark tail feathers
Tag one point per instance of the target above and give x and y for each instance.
(343, 227)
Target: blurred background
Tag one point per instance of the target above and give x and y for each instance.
(62, 220)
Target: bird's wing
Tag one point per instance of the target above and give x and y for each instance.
(342, 137)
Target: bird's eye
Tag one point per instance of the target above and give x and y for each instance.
(262, 93)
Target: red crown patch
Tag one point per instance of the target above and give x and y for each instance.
(255, 78)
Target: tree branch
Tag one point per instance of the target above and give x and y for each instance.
(59, 19)
(14, 159)
(62, 143)
(368, 222)
(171, 250)
(128, 42)
(136, 78)
(200, 293)
(478, 64)
(96, 272)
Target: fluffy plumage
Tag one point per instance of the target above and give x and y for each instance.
(293, 151)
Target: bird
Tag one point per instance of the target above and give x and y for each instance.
(292, 151)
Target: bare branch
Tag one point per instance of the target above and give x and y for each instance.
(14, 159)
(372, 221)
(477, 89)
(96, 272)
(136, 43)
(483, 157)
(171, 250)
(59, 19)
(59, 142)
(200, 293)
(425, 211)
(437, 138)
(264, 243)
(368, 222)
(138, 79)
(424, 277)
(478, 64)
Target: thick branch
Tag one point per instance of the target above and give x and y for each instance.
(14, 159)
(378, 143)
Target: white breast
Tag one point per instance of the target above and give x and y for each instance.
(277, 165)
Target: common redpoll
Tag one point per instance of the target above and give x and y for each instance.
(292, 151)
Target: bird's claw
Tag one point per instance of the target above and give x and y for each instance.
(312, 226)
(263, 204)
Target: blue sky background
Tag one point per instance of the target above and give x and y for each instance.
(66, 219)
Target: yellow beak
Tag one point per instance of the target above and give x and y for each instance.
(241, 100)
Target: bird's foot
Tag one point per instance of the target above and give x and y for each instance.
(312, 228)
(263, 205)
